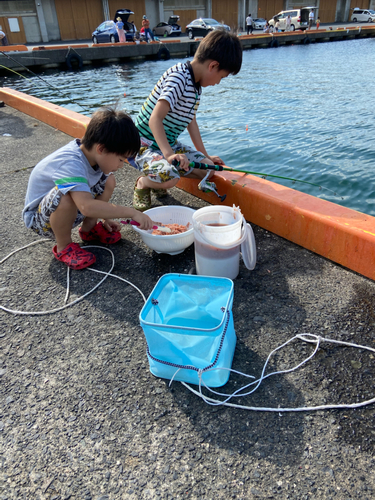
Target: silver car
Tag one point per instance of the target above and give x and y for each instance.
(171, 28)
(259, 23)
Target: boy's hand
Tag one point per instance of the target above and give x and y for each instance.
(217, 160)
(143, 220)
(183, 162)
(111, 225)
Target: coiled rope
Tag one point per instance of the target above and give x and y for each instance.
(305, 337)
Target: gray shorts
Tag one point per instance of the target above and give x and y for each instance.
(41, 220)
(155, 166)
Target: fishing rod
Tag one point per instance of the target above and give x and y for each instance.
(220, 168)
(43, 80)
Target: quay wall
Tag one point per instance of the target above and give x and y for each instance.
(18, 57)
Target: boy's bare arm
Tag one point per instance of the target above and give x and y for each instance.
(196, 138)
(90, 207)
(157, 128)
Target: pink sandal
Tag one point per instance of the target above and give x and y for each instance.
(74, 256)
(100, 233)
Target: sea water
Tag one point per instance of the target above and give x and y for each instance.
(300, 111)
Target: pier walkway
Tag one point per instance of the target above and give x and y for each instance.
(81, 415)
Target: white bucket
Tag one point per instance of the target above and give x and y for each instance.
(219, 232)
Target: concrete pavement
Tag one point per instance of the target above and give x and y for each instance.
(81, 416)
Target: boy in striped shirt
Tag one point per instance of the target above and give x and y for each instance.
(171, 108)
(74, 184)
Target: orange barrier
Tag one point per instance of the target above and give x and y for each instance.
(168, 41)
(67, 121)
(337, 233)
(109, 44)
(57, 47)
(13, 48)
(254, 37)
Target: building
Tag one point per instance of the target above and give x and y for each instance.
(40, 21)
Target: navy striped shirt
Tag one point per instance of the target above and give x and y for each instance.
(178, 88)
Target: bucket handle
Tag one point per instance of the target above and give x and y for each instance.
(232, 245)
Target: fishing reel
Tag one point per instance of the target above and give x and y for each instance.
(205, 185)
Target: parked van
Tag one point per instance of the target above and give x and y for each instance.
(299, 18)
(363, 16)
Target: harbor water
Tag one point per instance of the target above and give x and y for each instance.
(302, 111)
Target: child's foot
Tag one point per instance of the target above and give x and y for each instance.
(159, 193)
(74, 256)
(100, 233)
(141, 198)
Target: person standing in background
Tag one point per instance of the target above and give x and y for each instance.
(317, 23)
(146, 26)
(249, 24)
(120, 30)
(311, 18)
(3, 38)
(288, 23)
(134, 27)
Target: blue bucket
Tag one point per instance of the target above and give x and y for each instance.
(188, 324)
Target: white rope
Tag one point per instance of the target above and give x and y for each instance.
(51, 311)
(306, 337)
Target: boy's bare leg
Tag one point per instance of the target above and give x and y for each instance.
(62, 221)
(146, 182)
(200, 174)
(89, 222)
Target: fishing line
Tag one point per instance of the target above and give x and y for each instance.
(220, 168)
(43, 80)
(23, 76)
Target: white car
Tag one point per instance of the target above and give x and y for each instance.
(363, 16)
(259, 23)
(299, 18)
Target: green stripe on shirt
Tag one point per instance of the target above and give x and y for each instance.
(67, 180)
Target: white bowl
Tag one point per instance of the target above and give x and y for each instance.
(172, 244)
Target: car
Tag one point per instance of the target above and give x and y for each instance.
(299, 17)
(259, 23)
(363, 16)
(202, 26)
(107, 31)
(171, 28)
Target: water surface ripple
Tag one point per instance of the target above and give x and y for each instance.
(308, 109)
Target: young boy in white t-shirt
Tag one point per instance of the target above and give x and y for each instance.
(74, 184)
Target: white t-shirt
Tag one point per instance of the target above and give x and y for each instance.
(249, 20)
(311, 16)
(67, 169)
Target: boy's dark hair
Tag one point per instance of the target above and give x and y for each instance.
(223, 47)
(115, 130)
